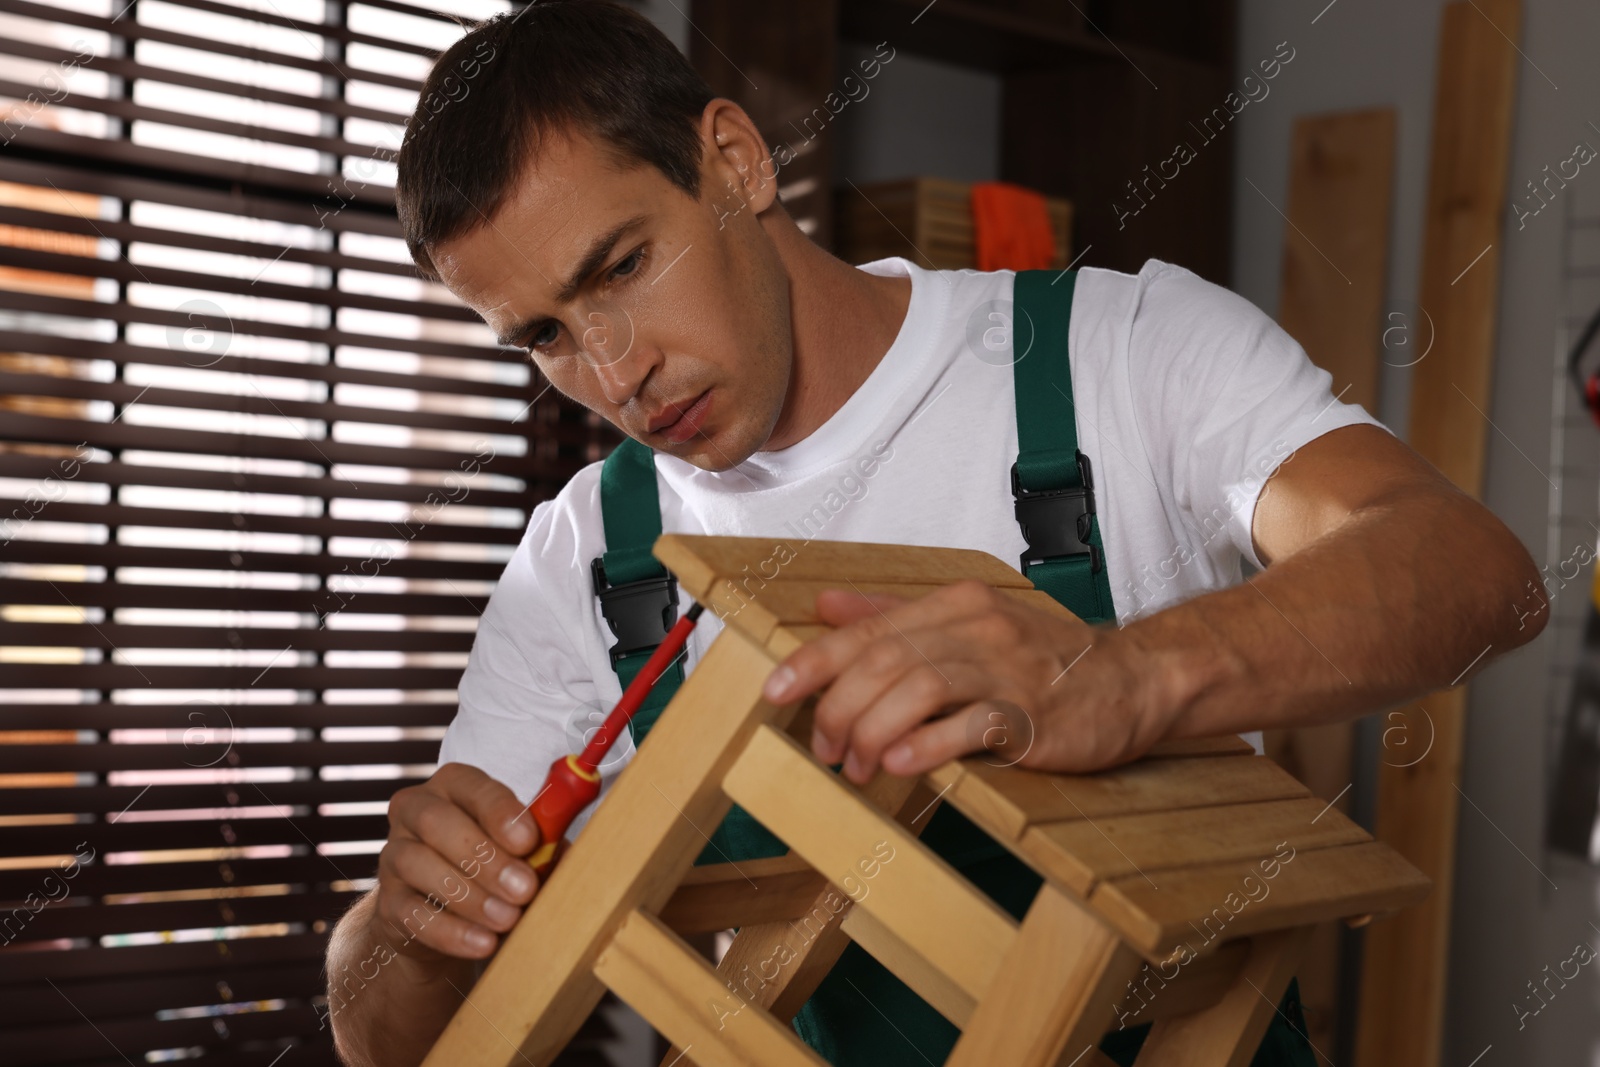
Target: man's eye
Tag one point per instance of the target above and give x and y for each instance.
(535, 342)
(631, 262)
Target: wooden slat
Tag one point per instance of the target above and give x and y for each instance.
(805, 950)
(1404, 961)
(915, 894)
(1336, 250)
(811, 945)
(699, 561)
(944, 995)
(1005, 801)
(1080, 853)
(758, 607)
(724, 895)
(1053, 998)
(785, 639)
(1335, 255)
(663, 979)
(782, 614)
(1170, 988)
(1194, 905)
(1228, 1033)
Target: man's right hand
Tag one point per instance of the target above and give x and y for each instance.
(453, 874)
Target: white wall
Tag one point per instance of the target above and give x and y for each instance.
(1517, 908)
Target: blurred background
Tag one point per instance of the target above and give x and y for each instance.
(257, 480)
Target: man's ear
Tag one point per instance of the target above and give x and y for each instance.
(739, 168)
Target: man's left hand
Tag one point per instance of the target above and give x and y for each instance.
(912, 683)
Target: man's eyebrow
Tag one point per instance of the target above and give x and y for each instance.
(599, 251)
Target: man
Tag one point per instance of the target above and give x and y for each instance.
(583, 191)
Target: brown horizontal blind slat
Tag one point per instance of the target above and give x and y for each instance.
(119, 474)
(124, 314)
(122, 392)
(132, 31)
(307, 563)
(46, 344)
(68, 634)
(257, 481)
(127, 68)
(112, 229)
(111, 799)
(251, 199)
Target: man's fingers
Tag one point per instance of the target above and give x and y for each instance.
(939, 741)
(410, 917)
(818, 662)
(879, 670)
(492, 806)
(425, 871)
(446, 828)
(921, 693)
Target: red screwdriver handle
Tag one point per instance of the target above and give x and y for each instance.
(574, 781)
(568, 790)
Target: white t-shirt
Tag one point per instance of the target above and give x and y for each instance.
(1187, 398)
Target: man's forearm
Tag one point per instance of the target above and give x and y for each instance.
(387, 1008)
(1409, 595)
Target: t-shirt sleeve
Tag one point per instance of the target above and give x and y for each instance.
(525, 697)
(1222, 395)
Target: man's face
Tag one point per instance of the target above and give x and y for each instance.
(635, 300)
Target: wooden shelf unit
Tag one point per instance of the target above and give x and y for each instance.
(1093, 93)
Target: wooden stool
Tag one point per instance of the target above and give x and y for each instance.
(1179, 889)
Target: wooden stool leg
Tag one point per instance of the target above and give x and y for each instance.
(668, 983)
(804, 951)
(1053, 997)
(946, 929)
(540, 986)
(1228, 1033)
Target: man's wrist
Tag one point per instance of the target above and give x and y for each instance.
(1181, 662)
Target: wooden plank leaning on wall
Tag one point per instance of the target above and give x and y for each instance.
(1403, 970)
(1335, 254)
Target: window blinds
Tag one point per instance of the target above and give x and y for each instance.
(256, 483)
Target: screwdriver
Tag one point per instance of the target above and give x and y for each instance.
(574, 781)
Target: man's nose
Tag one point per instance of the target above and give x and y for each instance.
(619, 362)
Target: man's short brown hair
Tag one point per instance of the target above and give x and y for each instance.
(552, 66)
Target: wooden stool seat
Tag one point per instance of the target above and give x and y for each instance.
(1179, 889)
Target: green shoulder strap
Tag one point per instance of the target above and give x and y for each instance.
(1052, 481)
(640, 603)
(637, 595)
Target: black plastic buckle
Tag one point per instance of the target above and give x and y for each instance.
(1055, 522)
(639, 613)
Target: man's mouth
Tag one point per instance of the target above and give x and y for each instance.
(687, 424)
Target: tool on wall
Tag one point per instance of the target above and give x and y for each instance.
(574, 781)
(1575, 797)
(1588, 386)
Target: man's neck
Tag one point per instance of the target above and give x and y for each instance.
(844, 321)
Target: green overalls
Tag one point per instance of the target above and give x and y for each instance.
(862, 1015)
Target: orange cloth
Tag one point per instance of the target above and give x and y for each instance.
(1011, 227)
